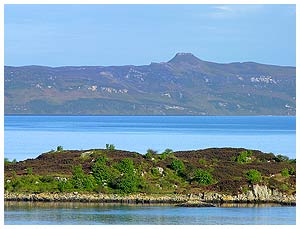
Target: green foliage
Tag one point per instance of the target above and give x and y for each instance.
(284, 187)
(244, 157)
(202, 161)
(126, 166)
(101, 172)
(155, 172)
(253, 176)
(59, 148)
(178, 166)
(203, 177)
(128, 181)
(292, 171)
(29, 171)
(110, 147)
(285, 172)
(81, 181)
(7, 161)
(281, 158)
(168, 152)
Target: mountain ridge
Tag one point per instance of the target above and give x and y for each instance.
(185, 85)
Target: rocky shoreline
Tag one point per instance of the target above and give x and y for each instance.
(257, 194)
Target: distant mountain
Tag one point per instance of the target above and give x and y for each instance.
(185, 85)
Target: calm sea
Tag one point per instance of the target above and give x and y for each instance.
(87, 213)
(29, 136)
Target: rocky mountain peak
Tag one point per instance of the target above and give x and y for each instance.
(183, 57)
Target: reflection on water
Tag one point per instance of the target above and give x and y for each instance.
(98, 213)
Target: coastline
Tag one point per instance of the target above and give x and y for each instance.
(184, 200)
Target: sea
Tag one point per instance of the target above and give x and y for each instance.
(28, 136)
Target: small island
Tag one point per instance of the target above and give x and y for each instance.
(185, 178)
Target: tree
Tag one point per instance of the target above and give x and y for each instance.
(203, 177)
(253, 176)
(110, 147)
(101, 171)
(285, 172)
(80, 180)
(280, 158)
(178, 166)
(244, 157)
(59, 148)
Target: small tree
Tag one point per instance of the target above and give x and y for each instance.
(244, 157)
(59, 148)
(178, 166)
(110, 146)
(285, 172)
(203, 177)
(253, 176)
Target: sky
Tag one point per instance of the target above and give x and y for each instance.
(105, 35)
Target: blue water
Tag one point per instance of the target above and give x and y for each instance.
(84, 213)
(29, 136)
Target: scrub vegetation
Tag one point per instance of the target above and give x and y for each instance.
(224, 170)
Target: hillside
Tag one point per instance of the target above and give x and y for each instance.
(223, 170)
(185, 85)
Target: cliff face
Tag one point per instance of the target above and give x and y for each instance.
(257, 193)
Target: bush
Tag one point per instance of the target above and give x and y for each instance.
(59, 148)
(285, 172)
(101, 172)
(81, 181)
(244, 157)
(292, 171)
(202, 161)
(110, 147)
(203, 177)
(166, 154)
(126, 166)
(178, 166)
(280, 158)
(253, 176)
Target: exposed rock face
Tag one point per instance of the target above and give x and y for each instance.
(256, 194)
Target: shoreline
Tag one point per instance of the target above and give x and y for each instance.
(180, 200)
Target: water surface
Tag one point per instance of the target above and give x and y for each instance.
(92, 213)
(29, 136)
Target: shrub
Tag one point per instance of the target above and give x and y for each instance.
(29, 171)
(178, 166)
(292, 171)
(244, 157)
(126, 166)
(253, 176)
(59, 148)
(101, 171)
(203, 177)
(155, 172)
(81, 181)
(285, 172)
(166, 154)
(202, 161)
(280, 158)
(110, 147)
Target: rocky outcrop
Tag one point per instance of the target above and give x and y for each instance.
(256, 194)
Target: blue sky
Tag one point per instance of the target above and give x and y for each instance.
(59, 35)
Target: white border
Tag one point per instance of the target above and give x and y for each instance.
(3, 2)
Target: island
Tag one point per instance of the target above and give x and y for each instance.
(186, 178)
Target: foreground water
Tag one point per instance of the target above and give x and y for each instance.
(29, 136)
(92, 213)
